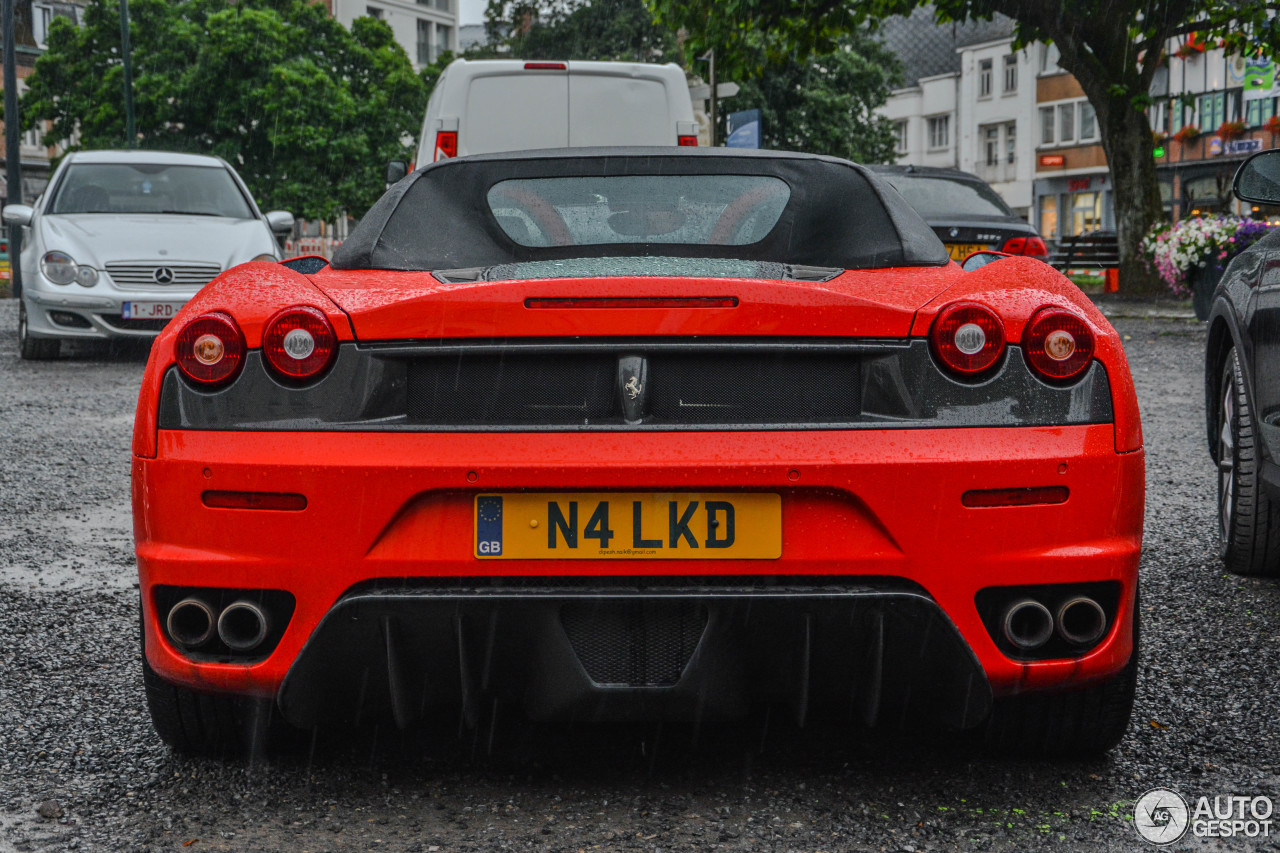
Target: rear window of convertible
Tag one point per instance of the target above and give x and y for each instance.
(700, 210)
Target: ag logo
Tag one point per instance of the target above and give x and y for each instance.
(1161, 816)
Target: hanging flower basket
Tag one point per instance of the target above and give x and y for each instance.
(1230, 130)
(1272, 124)
(1188, 133)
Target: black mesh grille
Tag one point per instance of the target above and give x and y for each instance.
(639, 644)
(587, 388)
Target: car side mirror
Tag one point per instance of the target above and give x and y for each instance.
(1257, 180)
(18, 214)
(396, 171)
(280, 220)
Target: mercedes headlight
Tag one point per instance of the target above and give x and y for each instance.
(59, 268)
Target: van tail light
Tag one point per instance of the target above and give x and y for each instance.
(210, 349)
(967, 338)
(687, 141)
(545, 66)
(1058, 344)
(1025, 246)
(299, 343)
(446, 144)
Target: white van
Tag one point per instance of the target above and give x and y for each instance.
(488, 105)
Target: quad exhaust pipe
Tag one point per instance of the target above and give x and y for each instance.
(1081, 621)
(190, 623)
(1028, 624)
(242, 626)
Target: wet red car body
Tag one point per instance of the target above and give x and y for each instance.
(907, 539)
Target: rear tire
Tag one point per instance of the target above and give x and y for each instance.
(34, 349)
(1248, 521)
(1076, 724)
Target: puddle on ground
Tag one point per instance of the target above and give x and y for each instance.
(89, 548)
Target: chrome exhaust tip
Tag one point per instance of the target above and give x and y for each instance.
(190, 623)
(1028, 624)
(242, 626)
(1081, 621)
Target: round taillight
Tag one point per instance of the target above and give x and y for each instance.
(210, 349)
(967, 338)
(1058, 344)
(299, 343)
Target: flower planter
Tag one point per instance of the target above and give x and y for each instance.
(1203, 281)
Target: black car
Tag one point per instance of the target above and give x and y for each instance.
(964, 211)
(1242, 387)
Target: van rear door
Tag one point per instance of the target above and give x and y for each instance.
(612, 103)
(514, 110)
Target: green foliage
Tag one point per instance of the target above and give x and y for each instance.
(307, 111)
(617, 30)
(827, 103)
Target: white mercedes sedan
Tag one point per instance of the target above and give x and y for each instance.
(122, 239)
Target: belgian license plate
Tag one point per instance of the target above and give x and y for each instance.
(960, 251)
(628, 526)
(150, 310)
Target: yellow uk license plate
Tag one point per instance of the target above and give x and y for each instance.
(628, 526)
(960, 251)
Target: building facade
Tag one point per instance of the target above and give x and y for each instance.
(424, 28)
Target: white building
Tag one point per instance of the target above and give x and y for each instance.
(968, 101)
(424, 28)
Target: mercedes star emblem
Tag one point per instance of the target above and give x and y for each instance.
(163, 275)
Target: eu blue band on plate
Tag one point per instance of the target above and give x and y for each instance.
(489, 524)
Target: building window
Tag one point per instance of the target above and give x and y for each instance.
(373, 12)
(939, 131)
(1011, 142)
(1257, 112)
(1046, 126)
(1049, 216)
(425, 56)
(1086, 212)
(443, 5)
(1066, 123)
(991, 144)
(1088, 122)
(900, 136)
(1010, 73)
(1211, 109)
(444, 40)
(984, 78)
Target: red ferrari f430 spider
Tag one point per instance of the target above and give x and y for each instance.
(641, 433)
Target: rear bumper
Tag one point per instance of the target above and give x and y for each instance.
(866, 508)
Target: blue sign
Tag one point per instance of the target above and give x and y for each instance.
(744, 129)
(1244, 146)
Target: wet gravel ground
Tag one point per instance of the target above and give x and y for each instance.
(80, 767)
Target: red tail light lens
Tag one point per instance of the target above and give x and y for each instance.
(210, 349)
(1025, 246)
(446, 144)
(687, 141)
(299, 343)
(545, 66)
(967, 338)
(1058, 344)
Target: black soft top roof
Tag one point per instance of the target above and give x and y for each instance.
(839, 214)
